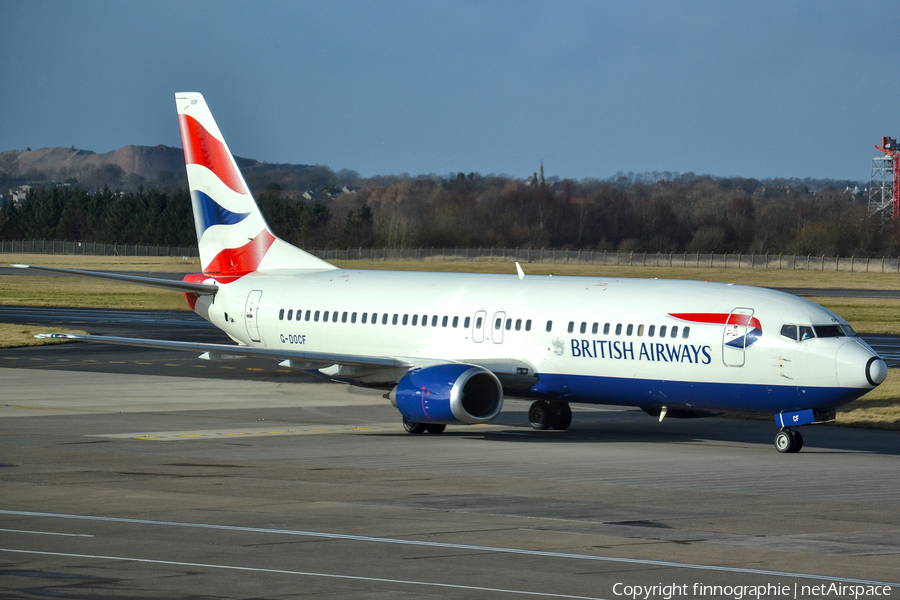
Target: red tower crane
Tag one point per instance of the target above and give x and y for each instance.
(892, 150)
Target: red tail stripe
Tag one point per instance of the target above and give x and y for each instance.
(202, 148)
(719, 319)
(243, 260)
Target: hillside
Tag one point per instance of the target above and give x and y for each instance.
(62, 163)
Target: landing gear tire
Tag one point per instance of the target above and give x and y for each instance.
(798, 440)
(785, 442)
(435, 428)
(562, 417)
(413, 427)
(540, 415)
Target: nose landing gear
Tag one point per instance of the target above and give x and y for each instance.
(788, 441)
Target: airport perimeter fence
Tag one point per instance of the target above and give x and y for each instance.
(632, 259)
(794, 262)
(93, 248)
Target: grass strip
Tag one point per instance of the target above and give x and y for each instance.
(17, 336)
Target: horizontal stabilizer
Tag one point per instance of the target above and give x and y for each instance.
(201, 289)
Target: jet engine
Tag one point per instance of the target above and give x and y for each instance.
(448, 393)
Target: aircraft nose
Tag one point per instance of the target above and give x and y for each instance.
(876, 370)
(858, 367)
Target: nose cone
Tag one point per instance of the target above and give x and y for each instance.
(876, 370)
(857, 367)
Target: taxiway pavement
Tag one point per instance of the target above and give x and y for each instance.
(130, 480)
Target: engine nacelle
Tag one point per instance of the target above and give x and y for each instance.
(448, 393)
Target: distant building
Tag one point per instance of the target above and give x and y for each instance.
(536, 179)
(349, 190)
(311, 195)
(18, 195)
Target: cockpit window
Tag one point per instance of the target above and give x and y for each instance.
(824, 331)
(798, 333)
(789, 331)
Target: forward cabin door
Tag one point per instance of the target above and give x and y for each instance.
(734, 340)
(251, 314)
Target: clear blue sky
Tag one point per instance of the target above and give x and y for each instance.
(755, 89)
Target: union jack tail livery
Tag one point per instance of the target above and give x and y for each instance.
(232, 234)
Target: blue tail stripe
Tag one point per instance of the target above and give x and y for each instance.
(208, 212)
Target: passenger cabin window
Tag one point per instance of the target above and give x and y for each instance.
(629, 329)
(674, 333)
(343, 317)
(662, 331)
(651, 330)
(455, 321)
(640, 330)
(291, 314)
(549, 325)
(364, 315)
(281, 315)
(384, 319)
(394, 319)
(465, 323)
(518, 324)
(571, 326)
(316, 316)
(508, 324)
(528, 325)
(685, 332)
(434, 320)
(478, 323)
(334, 316)
(325, 317)
(498, 323)
(405, 319)
(594, 328)
(619, 329)
(415, 320)
(606, 329)
(583, 327)
(307, 316)
(353, 318)
(444, 322)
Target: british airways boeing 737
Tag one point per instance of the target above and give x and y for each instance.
(450, 347)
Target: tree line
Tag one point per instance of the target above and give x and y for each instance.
(678, 214)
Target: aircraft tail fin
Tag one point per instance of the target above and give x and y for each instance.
(232, 234)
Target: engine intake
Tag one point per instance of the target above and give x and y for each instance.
(448, 393)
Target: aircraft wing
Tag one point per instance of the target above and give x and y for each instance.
(200, 289)
(515, 374)
(317, 359)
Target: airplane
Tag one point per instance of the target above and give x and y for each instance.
(450, 347)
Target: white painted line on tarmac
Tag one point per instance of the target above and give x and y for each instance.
(495, 549)
(304, 574)
(47, 533)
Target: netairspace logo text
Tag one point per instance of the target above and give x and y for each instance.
(743, 592)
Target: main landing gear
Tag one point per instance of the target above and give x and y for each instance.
(413, 427)
(788, 440)
(550, 415)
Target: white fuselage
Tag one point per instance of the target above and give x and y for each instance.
(588, 339)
